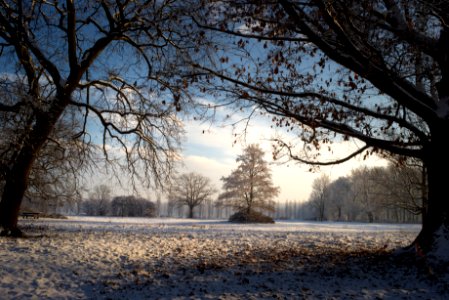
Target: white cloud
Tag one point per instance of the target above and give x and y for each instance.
(210, 168)
(210, 150)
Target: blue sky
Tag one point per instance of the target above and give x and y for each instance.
(209, 149)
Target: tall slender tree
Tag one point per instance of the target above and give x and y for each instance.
(320, 196)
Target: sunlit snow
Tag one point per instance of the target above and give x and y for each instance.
(137, 258)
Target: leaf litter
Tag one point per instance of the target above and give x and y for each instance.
(132, 258)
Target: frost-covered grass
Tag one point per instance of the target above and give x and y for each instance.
(136, 258)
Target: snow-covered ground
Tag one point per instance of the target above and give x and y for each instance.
(116, 258)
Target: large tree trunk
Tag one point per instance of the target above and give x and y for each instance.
(437, 211)
(435, 231)
(17, 177)
(15, 186)
(191, 211)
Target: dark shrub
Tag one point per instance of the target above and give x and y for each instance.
(53, 216)
(252, 217)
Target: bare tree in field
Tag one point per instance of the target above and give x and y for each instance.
(320, 196)
(402, 188)
(366, 191)
(113, 65)
(54, 178)
(191, 190)
(374, 71)
(250, 187)
(101, 196)
(131, 206)
(339, 191)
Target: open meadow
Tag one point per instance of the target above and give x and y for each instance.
(137, 258)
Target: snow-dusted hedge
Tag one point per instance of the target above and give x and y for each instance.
(252, 217)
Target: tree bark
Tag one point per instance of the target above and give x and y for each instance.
(16, 184)
(436, 159)
(191, 211)
(17, 177)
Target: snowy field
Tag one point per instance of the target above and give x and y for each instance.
(116, 258)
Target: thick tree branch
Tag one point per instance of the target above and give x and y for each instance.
(319, 163)
(11, 108)
(278, 107)
(248, 35)
(408, 149)
(71, 36)
(399, 89)
(399, 26)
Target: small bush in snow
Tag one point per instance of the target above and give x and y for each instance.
(251, 217)
(53, 216)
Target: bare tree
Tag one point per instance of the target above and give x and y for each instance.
(339, 192)
(54, 179)
(370, 194)
(131, 206)
(320, 196)
(402, 189)
(117, 65)
(192, 190)
(366, 192)
(375, 71)
(101, 195)
(250, 187)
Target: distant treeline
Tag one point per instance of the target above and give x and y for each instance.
(121, 206)
(380, 194)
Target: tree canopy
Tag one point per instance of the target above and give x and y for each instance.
(107, 65)
(250, 187)
(328, 71)
(191, 189)
(325, 71)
